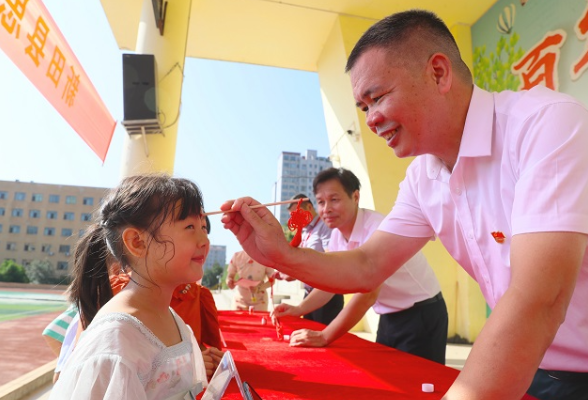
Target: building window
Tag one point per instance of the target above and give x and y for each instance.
(34, 214)
(53, 198)
(17, 212)
(29, 247)
(81, 232)
(86, 217)
(37, 197)
(26, 263)
(14, 229)
(64, 248)
(49, 232)
(70, 199)
(51, 214)
(19, 196)
(10, 246)
(66, 232)
(2, 211)
(3, 195)
(62, 265)
(88, 201)
(0, 228)
(68, 216)
(46, 248)
(32, 230)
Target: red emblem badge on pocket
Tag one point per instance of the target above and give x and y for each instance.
(498, 236)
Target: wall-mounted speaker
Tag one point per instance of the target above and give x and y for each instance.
(139, 88)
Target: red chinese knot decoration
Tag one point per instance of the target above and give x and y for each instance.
(299, 218)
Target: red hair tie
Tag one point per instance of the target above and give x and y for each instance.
(299, 218)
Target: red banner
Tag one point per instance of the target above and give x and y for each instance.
(32, 40)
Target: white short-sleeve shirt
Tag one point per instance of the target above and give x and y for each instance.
(413, 282)
(118, 357)
(522, 167)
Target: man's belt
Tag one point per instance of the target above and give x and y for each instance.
(434, 299)
(568, 376)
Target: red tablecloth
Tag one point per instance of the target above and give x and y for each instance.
(350, 368)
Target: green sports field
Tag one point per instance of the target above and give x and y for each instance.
(14, 305)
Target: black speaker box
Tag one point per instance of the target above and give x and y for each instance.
(139, 89)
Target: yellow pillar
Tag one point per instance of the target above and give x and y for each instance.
(157, 154)
(355, 147)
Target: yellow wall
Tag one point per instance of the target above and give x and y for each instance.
(381, 172)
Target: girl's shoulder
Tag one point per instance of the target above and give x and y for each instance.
(124, 325)
(121, 329)
(129, 340)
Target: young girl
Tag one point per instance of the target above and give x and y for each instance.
(134, 345)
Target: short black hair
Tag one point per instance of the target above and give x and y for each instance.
(397, 30)
(348, 180)
(298, 197)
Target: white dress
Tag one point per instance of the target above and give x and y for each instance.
(118, 357)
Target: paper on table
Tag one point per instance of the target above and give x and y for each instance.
(247, 283)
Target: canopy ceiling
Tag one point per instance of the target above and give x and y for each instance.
(287, 34)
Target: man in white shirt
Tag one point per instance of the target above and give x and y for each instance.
(413, 314)
(499, 178)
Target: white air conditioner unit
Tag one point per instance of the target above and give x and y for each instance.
(51, 253)
(67, 254)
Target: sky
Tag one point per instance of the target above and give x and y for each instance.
(235, 120)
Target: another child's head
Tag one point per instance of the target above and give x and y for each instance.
(151, 225)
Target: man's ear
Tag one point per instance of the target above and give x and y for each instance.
(355, 196)
(441, 72)
(134, 241)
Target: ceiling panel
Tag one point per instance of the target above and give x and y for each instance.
(288, 34)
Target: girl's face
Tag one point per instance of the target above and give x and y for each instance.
(180, 251)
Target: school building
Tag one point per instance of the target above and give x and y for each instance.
(43, 222)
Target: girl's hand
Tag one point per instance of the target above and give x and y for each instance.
(212, 357)
(208, 364)
(216, 355)
(230, 283)
(307, 338)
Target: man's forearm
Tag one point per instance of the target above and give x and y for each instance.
(351, 314)
(359, 270)
(315, 300)
(331, 272)
(506, 354)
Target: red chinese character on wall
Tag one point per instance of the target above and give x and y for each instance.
(10, 18)
(539, 64)
(582, 33)
(37, 40)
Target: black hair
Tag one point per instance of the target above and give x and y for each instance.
(143, 202)
(348, 180)
(396, 31)
(298, 197)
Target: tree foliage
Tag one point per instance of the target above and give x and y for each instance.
(42, 271)
(210, 278)
(10, 271)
